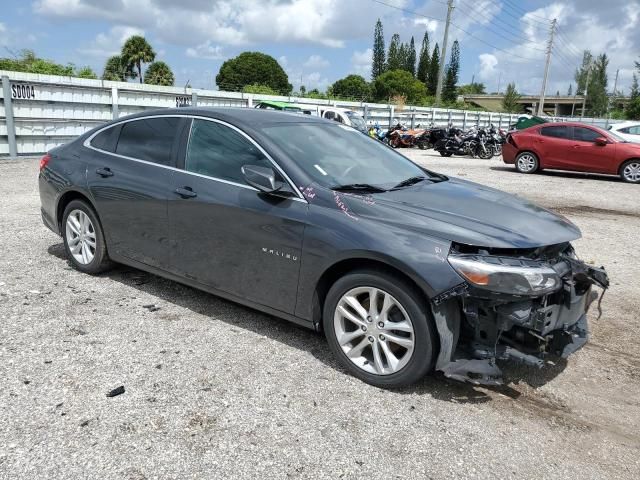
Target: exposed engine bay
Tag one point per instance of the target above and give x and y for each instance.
(521, 305)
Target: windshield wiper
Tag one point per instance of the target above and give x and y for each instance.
(410, 181)
(359, 187)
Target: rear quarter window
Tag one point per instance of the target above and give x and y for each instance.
(106, 139)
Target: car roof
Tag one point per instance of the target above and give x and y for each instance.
(234, 115)
(625, 124)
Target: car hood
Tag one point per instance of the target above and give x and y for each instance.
(468, 213)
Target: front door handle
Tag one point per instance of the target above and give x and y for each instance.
(104, 172)
(185, 192)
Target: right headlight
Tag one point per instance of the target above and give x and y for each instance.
(506, 274)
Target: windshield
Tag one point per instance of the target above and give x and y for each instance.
(357, 120)
(335, 155)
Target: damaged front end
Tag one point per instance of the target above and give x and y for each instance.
(516, 304)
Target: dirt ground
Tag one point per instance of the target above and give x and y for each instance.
(213, 389)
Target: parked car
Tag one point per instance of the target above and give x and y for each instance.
(283, 106)
(572, 146)
(405, 270)
(342, 115)
(630, 131)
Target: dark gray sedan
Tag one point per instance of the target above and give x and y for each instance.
(405, 270)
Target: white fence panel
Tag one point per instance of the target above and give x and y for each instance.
(50, 110)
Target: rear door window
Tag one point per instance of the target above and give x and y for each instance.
(634, 130)
(220, 152)
(585, 134)
(555, 131)
(149, 139)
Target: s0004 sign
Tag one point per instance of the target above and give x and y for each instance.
(23, 91)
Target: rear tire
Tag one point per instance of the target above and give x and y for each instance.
(392, 342)
(630, 171)
(527, 162)
(83, 238)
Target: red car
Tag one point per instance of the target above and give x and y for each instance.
(572, 146)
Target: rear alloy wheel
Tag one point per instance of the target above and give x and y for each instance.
(376, 327)
(527, 162)
(83, 238)
(630, 171)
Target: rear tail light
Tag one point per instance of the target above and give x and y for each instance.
(44, 161)
(511, 140)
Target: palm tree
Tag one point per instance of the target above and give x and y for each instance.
(159, 73)
(137, 51)
(117, 70)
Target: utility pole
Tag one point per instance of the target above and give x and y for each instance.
(613, 96)
(443, 58)
(546, 66)
(586, 90)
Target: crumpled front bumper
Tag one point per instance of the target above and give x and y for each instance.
(478, 330)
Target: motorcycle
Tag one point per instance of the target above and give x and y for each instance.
(430, 137)
(399, 136)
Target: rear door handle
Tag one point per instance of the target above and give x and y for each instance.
(185, 192)
(104, 172)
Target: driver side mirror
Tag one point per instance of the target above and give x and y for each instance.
(600, 141)
(262, 178)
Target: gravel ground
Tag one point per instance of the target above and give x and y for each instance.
(214, 389)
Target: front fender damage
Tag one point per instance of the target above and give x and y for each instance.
(477, 329)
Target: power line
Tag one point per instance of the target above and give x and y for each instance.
(519, 37)
(521, 17)
(517, 8)
(457, 27)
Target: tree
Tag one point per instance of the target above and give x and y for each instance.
(398, 83)
(434, 67)
(632, 110)
(424, 61)
(117, 70)
(597, 97)
(257, 88)
(581, 73)
(137, 51)
(251, 68)
(510, 100)
(159, 73)
(411, 58)
(394, 60)
(378, 65)
(451, 76)
(474, 88)
(570, 91)
(86, 72)
(27, 61)
(351, 86)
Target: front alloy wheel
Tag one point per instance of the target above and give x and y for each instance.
(374, 330)
(630, 171)
(380, 328)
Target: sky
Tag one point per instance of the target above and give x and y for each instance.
(320, 41)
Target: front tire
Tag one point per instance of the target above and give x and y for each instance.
(83, 238)
(445, 154)
(630, 171)
(527, 162)
(379, 328)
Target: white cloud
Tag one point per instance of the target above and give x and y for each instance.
(488, 64)
(283, 61)
(316, 61)
(110, 43)
(361, 62)
(206, 50)
(431, 25)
